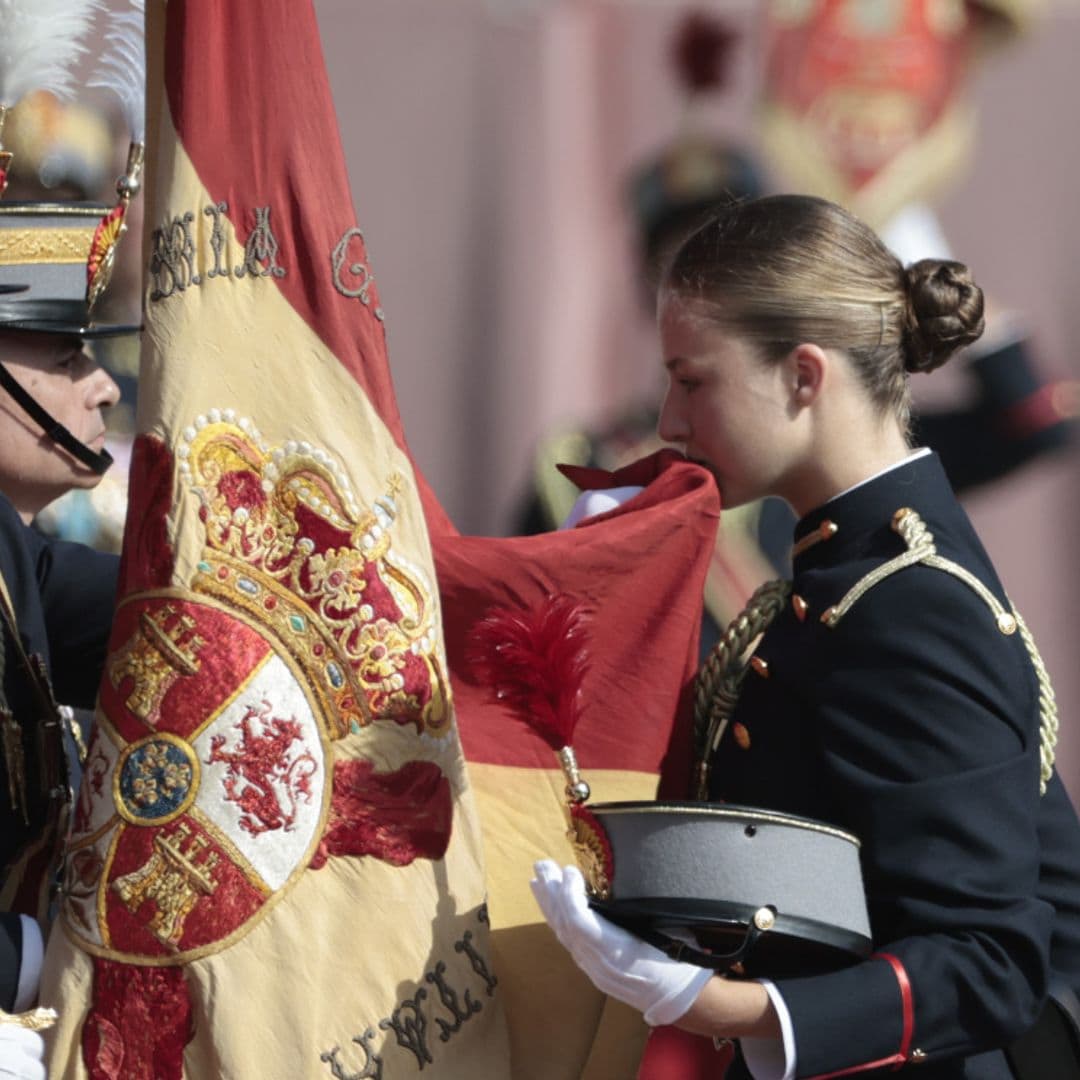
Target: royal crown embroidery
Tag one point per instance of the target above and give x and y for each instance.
(287, 541)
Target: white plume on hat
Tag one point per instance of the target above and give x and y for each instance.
(122, 68)
(39, 42)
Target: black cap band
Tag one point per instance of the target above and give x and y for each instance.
(57, 317)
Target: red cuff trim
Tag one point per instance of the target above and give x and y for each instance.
(907, 1005)
(882, 1063)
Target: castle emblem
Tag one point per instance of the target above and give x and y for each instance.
(164, 647)
(173, 880)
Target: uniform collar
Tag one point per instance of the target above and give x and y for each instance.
(858, 520)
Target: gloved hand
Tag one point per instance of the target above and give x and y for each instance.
(619, 964)
(598, 501)
(22, 1053)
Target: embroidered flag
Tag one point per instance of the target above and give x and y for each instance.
(276, 831)
(275, 863)
(638, 573)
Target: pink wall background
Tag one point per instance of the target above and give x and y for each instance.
(487, 141)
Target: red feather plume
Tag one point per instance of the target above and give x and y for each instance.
(534, 661)
(701, 51)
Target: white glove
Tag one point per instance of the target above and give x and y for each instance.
(598, 501)
(620, 964)
(22, 1053)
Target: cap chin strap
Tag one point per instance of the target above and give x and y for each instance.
(54, 430)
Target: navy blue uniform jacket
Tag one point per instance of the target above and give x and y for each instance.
(63, 597)
(914, 723)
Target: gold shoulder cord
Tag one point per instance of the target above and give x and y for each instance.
(1048, 710)
(921, 549)
(717, 686)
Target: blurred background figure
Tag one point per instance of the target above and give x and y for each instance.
(869, 104)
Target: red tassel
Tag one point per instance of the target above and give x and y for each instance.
(534, 661)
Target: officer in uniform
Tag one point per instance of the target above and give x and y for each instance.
(56, 598)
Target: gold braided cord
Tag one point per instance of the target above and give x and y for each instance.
(920, 544)
(717, 686)
(969, 579)
(833, 615)
(921, 549)
(1048, 711)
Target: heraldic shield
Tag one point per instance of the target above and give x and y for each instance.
(193, 820)
(209, 779)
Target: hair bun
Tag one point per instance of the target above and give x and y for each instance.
(945, 312)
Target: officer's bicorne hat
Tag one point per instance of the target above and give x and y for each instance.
(55, 260)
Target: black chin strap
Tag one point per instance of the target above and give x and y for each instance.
(54, 430)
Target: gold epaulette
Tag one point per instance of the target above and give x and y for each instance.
(922, 550)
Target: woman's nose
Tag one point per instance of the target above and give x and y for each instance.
(671, 426)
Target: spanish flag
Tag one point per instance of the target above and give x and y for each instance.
(277, 861)
(275, 867)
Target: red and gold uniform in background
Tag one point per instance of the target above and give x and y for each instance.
(864, 100)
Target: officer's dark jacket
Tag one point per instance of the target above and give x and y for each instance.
(63, 599)
(914, 723)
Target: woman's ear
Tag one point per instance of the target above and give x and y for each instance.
(807, 367)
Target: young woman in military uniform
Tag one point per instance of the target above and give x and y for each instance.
(896, 693)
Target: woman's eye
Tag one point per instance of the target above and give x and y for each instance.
(689, 385)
